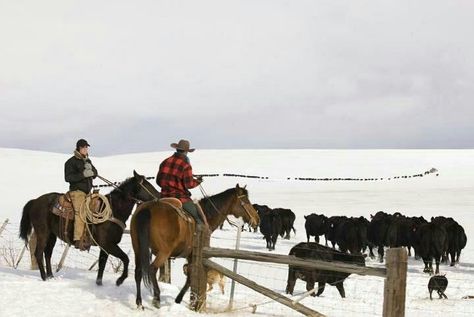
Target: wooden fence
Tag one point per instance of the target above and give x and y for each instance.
(394, 288)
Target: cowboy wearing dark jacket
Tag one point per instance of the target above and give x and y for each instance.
(79, 172)
(175, 177)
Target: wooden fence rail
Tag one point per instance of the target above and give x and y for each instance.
(292, 260)
(394, 274)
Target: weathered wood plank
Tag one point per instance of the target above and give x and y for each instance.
(395, 283)
(292, 260)
(262, 290)
(198, 272)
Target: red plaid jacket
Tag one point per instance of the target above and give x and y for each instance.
(175, 177)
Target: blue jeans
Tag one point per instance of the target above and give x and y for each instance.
(191, 209)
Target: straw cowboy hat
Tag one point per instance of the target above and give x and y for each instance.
(182, 145)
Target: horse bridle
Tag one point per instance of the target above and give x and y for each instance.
(239, 197)
(244, 205)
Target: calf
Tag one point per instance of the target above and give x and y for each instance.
(315, 251)
(213, 277)
(438, 283)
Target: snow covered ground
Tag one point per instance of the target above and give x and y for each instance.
(27, 174)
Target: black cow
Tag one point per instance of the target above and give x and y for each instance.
(332, 228)
(462, 241)
(351, 235)
(401, 231)
(431, 242)
(287, 221)
(315, 251)
(270, 226)
(377, 231)
(315, 225)
(456, 238)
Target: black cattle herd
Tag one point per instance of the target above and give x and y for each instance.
(441, 239)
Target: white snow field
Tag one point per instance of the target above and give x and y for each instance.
(28, 174)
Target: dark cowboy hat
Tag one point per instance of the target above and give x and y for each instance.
(182, 145)
(81, 143)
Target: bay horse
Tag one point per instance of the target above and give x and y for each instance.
(158, 226)
(37, 214)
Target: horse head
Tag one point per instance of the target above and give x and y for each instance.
(142, 189)
(136, 189)
(242, 207)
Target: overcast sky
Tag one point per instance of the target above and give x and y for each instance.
(134, 76)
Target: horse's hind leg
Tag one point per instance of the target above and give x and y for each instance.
(48, 251)
(156, 288)
(160, 259)
(40, 246)
(138, 280)
(185, 288)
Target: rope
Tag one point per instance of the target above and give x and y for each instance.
(90, 217)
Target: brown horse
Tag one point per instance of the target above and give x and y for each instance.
(37, 214)
(157, 226)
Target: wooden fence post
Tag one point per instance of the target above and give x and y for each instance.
(198, 272)
(63, 257)
(395, 283)
(5, 223)
(232, 286)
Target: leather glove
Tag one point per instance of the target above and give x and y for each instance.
(199, 179)
(88, 173)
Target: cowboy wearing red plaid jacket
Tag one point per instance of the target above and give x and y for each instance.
(175, 177)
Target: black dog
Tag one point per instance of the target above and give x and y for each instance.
(438, 283)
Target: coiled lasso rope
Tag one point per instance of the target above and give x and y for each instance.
(95, 217)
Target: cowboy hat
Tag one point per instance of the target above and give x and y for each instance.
(182, 145)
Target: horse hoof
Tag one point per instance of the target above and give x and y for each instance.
(119, 281)
(99, 282)
(140, 307)
(156, 303)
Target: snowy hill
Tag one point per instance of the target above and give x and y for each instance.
(27, 174)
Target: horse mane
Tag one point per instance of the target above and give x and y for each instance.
(125, 187)
(217, 200)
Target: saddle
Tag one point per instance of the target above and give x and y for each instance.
(63, 206)
(65, 210)
(178, 207)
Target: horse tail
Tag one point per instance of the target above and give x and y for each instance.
(25, 224)
(142, 227)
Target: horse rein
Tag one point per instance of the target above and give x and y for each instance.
(242, 203)
(138, 201)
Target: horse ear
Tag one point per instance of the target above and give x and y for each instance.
(237, 186)
(245, 186)
(135, 174)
